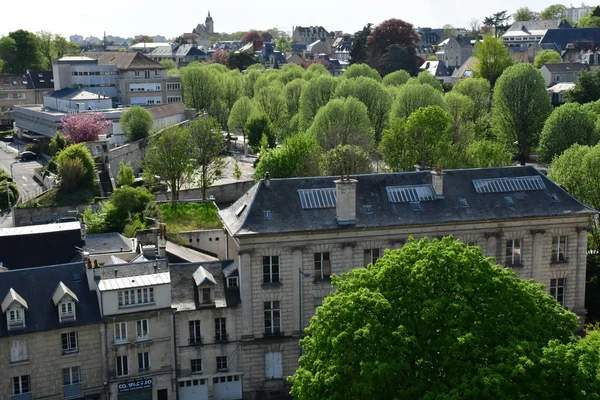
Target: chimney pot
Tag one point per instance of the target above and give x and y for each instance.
(437, 181)
(267, 179)
(346, 200)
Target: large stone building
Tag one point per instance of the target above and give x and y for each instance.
(289, 236)
(207, 27)
(17, 89)
(50, 335)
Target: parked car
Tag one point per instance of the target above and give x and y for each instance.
(7, 138)
(66, 219)
(29, 155)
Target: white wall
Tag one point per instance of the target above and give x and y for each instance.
(110, 301)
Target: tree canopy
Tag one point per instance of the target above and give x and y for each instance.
(136, 123)
(299, 155)
(493, 59)
(546, 57)
(485, 333)
(76, 162)
(85, 127)
(554, 11)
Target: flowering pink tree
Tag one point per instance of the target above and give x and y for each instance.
(86, 127)
(220, 57)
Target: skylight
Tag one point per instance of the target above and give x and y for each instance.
(317, 198)
(505, 185)
(410, 193)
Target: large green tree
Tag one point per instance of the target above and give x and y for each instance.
(568, 124)
(428, 130)
(440, 321)
(171, 158)
(486, 154)
(372, 94)
(554, 11)
(520, 107)
(52, 45)
(587, 88)
(271, 100)
(524, 14)
(299, 155)
(498, 21)
(315, 94)
(493, 59)
(412, 97)
(546, 57)
(345, 159)
(292, 92)
(85, 162)
(390, 32)
(200, 86)
(355, 70)
(461, 109)
(20, 51)
(137, 122)
(240, 112)
(397, 78)
(343, 121)
(258, 126)
(208, 150)
(359, 52)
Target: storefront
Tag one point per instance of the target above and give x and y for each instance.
(138, 389)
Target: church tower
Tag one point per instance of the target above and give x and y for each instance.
(210, 27)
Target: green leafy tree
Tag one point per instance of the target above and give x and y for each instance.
(345, 122)
(485, 154)
(425, 78)
(20, 51)
(587, 88)
(170, 64)
(520, 107)
(271, 100)
(372, 94)
(299, 155)
(316, 93)
(53, 46)
(355, 70)
(345, 159)
(383, 322)
(9, 191)
(250, 78)
(572, 118)
(71, 173)
(546, 57)
(524, 14)
(126, 205)
(170, 157)
(397, 78)
(237, 172)
(292, 92)
(479, 91)
(283, 44)
(398, 58)
(291, 72)
(242, 61)
(395, 147)
(57, 143)
(591, 20)
(493, 59)
(316, 69)
(209, 147)
(136, 123)
(554, 11)
(461, 109)
(358, 51)
(412, 97)
(125, 177)
(240, 113)
(449, 31)
(200, 86)
(79, 152)
(258, 124)
(428, 130)
(498, 21)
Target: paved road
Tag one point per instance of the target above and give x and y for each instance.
(22, 171)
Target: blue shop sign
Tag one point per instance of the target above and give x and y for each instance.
(138, 384)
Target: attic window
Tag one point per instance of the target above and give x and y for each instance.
(240, 209)
(40, 75)
(509, 200)
(554, 198)
(504, 185)
(463, 203)
(232, 282)
(317, 198)
(368, 209)
(14, 82)
(24, 82)
(66, 311)
(267, 214)
(410, 193)
(416, 205)
(16, 317)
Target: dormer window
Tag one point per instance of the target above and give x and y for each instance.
(64, 299)
(14, 307)
(206, 296)
(205, 281)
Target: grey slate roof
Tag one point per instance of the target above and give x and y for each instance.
(41, 79)
(124, 60)
(37, 285)
(179, 51)
(566, 67)
(539, 25)
(246, 216)
(98, 243)
(15, 82)
(76, 94)
(560, 38)
(184, 292)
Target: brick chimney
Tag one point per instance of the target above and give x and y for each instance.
(437, 181)
(345, 208)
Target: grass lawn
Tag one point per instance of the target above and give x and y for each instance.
(57, 198)
(182, 217)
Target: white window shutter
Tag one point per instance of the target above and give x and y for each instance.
(278, 367)
(269, 365)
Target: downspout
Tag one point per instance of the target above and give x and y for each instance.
(173, 313)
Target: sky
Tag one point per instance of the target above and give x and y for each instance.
(127, 18)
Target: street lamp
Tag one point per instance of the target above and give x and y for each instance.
(300, 275)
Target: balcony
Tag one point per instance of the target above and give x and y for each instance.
(222, 338)
(23, 396)
(197, 341)
(273, 334)
(72, 390)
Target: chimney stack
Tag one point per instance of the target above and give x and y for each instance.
(267, 180)
(345, 189)
(437, 180)
(83, 228)
(162, 241)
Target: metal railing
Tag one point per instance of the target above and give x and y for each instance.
(22, 396)
(72, 390)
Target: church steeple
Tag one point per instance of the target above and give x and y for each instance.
(210, 27)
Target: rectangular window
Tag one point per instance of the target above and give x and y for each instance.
(196, 366)
(134, 297)
(195, 337)
(557, 290)
(71, 376)
(18, 351)
(322, 266)
(144, 362)
(271, 269)
(8, 96)
(222, 363)
(67, 311)
(559, 248)
(15, 316)
(121, 332)
(371, 256)
(21, 384)
(513, 252)
(137, 74)
(122, 366)
(142, 331)
(21, 95)
(206, 298)
(220, 330)
(232, 282)
(69, 342)
(156, 73)
(147, 74)
(173, 99)
(272, 318)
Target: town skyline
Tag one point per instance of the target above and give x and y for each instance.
(115, 17)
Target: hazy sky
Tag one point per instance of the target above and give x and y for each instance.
(171, 18)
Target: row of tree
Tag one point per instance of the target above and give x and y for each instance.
(21, 50)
